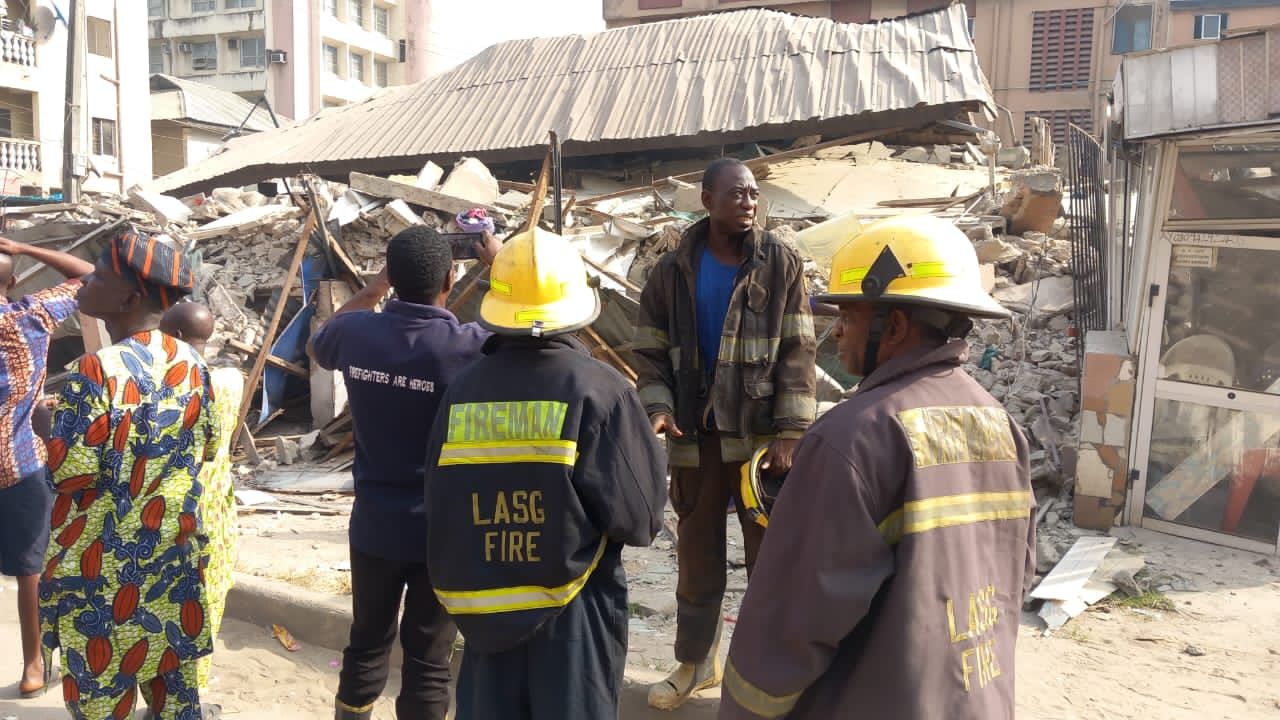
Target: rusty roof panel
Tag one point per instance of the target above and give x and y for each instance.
(725, 77)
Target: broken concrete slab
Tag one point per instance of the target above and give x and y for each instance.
(941, 155)
(441, 201)
(1055, 296)
(430, 175)
(1014, 158)
(169, 209)
(243, 221)
(915, 154)
(996, 250)
(471, 180)
(397, 216)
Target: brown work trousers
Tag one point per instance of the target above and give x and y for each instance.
(700, 497)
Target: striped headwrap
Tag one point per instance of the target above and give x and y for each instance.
(159, 268)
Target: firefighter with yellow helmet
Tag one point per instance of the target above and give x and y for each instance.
(540, 466)
(899, 550)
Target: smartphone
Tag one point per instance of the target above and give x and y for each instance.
(464, 244)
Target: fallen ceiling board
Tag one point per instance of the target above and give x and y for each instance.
(305, 481)
(815, 188)
(1068, 577)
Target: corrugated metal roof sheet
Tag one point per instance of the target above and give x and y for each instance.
(1235, 81)
(726, 77)
(208, 105)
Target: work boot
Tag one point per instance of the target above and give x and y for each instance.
(342, 711)
(689, 678)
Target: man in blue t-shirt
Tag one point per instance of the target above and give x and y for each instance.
(397, 365)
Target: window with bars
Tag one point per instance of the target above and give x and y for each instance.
(155, 59)
(355, 12)
(1132, 29)
(253, 52)
(155, 8)
(381, 20)
(1210, 27)
(240, 4)
(99, 40)
(331, 59)
(104, 137)
(204, 56)
(1058, 121)
(203, 6)
(356, 67)
(1061, 46)
(380, 74)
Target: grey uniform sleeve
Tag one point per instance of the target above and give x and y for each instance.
(813, 583)
(621, 474)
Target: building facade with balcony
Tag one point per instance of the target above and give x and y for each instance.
(303, 55)
(1055, 59)
(33, 102)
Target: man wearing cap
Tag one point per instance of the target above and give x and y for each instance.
(902, 543)
(726, 362)
(26, 326)
(396, 365)
(541, 465)
(122, 594)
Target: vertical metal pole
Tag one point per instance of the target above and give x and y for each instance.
(71, 115)
(557, 182)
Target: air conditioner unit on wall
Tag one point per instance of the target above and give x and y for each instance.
(277, 57)
(184, 47)
(233, 43)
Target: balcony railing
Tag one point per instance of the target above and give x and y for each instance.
(18, 49)
(20, 155)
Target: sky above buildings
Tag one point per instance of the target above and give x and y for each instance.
(469, 26)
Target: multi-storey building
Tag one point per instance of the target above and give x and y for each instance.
(303, 55)
(114, 146)
(1052, 58)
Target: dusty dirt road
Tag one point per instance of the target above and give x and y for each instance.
(1216, 654)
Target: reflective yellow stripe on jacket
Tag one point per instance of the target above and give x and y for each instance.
(560, 452)
(753, 698)
(514, 599)
(953, 435)
(920, 516)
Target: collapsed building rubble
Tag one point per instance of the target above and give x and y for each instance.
(246, 240)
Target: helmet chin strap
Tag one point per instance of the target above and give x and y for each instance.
(883, 271)
(879, 323)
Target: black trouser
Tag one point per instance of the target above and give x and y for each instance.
(426, 634)
(570, 668)
(700, 497)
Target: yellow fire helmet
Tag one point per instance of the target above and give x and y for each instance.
(912, 260)
(538, 287)
(759, 488)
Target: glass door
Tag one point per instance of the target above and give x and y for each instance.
(1209, 447)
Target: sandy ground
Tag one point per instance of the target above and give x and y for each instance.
(1215, 654)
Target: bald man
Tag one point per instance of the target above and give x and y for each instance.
(192, 323)
(26, 497)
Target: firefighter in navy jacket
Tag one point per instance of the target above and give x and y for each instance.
(541, 466)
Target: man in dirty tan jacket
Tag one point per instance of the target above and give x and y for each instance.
(726, 364)
(899, 548)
